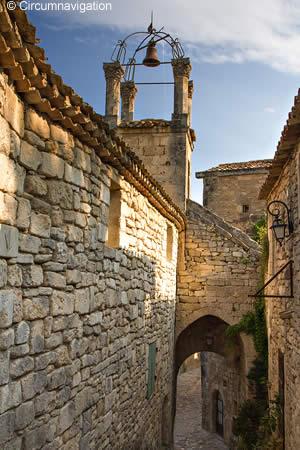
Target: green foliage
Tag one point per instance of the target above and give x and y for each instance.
(260, 235)
(246, 425)
(260, 230)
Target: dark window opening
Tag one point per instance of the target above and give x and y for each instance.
(114, 215)
(219, 414)
(246, 208)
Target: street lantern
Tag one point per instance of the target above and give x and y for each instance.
(280, 227)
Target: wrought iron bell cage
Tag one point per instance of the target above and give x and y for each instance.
(149, 40)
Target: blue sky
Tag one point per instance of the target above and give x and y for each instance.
(246, 67)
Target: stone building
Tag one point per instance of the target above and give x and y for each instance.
(107, 269)
(232, 191)
(283, 313)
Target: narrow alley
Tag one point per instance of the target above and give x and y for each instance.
(189, 434)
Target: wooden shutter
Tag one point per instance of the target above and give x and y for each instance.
(151, 369)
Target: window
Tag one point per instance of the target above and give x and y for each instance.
(245, 208)
(113, 234)
(169, 243)
(219, 414)
(151, 369)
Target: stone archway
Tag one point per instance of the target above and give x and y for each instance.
(207, 335)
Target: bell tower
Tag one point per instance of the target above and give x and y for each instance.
(164, 146)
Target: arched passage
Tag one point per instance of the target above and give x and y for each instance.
(224, 369)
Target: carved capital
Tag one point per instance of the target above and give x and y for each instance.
(181, 67)
(128, 90)
(113, 71)
(191, 89)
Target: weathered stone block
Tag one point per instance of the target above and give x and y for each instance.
(52, 165)
(66, 417)
(36, 340)
(74, 176)
(21, 366)
(4, 136)
(37, 124)
(14, 111)
(62, 303)
(60, 193)
(29, 243)
(82, 301)
(3, 273)
(35, 308)
(4, 364)
(55, 280)
(9, 174)
(6, 338)
(37, 438)
(9, 239)
(45, 403)
(22, 333)
(34, 140)
(82, 160)
(19, 350)
(35, 185)
(43, 361)
(7, 426)
(40, 225)
(10, 396)
(7, 299)
(57, 378)
(59, 135)
(23, 213)
(73, 276)
(74, 234)
(8, 209)
(30, 157)
(32, 276)
(24, 258)
(24, 415)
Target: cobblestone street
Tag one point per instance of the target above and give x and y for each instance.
(188, 432)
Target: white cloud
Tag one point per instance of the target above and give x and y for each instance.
(269, 109)
(217, 31)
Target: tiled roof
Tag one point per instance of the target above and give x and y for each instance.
(289, 137)
(237, 166)
(151, 123)
(34, 80)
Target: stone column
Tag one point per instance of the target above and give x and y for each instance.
(113, 75)
(190, 101)
(128, 93)
(181, 70)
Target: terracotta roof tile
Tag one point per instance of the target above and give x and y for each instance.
(237, 166)
(145, 123)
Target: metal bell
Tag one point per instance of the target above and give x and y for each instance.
(151, 58)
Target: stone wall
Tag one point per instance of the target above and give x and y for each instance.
(165, 149)
(76, 316)
(221, 270)
(283, 314)
(216, 376)
(234, 197)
